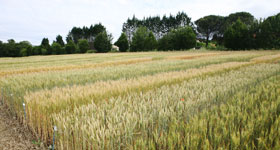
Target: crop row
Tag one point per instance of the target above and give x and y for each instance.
(57, 91)
(42, 104)
(98, 61)
(23, 83)
(248, 120)
(149, 119)
(35, 62)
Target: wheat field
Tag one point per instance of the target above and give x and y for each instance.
(147, 100)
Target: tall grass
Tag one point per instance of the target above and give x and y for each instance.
(21, 85)
(34, 62)
(127, 100)
(44, 103)
(145, 120)
(248, 120)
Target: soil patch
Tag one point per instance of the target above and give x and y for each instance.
(14, 136)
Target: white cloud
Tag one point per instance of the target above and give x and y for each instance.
(32, 19)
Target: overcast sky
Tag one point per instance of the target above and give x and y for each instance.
(33, 20)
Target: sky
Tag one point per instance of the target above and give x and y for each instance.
(32, 20)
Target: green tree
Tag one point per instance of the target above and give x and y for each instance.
(96, 29)
(159, 26)
(122, 43)
(11, 48)
(102, 42)
(237, 36)
(57, 49)
(70, 47)
(179, 39)
(151, 42)
(83, 46)
(2, 51)
(23, 52)
(44, 51)
(130, 27)
(139, 39)
(75, 34)
(69, 37)
(60, 41)
(269, 35)
(253, 35)
(167, 42)
(209, 25)
(185, 38)
(245, 17)
(45, 44)
(25, 48)
(36, 50)
(88, 33)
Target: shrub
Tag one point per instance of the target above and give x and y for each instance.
(200, 44)
(212, 46)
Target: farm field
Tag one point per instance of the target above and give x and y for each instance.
(147, 100)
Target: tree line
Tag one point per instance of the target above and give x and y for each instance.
(79, 40)
(159, 26)
(237, 31)
(241, 31)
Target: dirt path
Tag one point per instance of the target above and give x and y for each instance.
(13, 136)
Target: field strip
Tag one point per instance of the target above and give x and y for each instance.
(67, 67)
(63, 60)
(42, 104)
(20, 84)
(7, 64)
(105, 103)
(105, 64)
(149, 114)
(196, 56)
(267, 59)
(143, 82)
(123, 85)
(74, 67)
(25, 83)
(250, 117)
